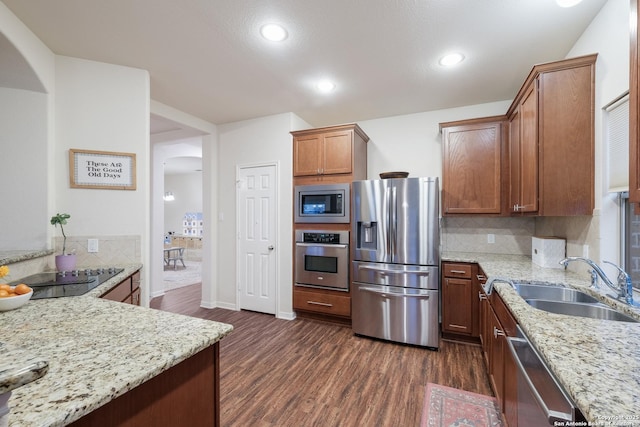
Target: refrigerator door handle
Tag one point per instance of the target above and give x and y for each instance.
(393, 220)
(385, 270)
(387, 294)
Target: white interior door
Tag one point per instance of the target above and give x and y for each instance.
(257, 212)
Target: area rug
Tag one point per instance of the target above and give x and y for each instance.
(182, 276)
(449, 407)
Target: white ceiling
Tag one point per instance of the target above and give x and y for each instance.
(206, 57)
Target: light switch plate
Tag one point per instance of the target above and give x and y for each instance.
(92, 245)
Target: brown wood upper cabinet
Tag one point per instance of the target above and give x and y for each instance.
(328, 151)
(551, 140)
(538, 159)
(473, 173)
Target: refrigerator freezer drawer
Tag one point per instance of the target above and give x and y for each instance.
(408, 276)
(396, 314)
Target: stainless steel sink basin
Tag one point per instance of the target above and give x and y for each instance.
(553, 293)
(593, 311)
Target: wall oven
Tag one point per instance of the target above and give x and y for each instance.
(322, 259)
(328, 203)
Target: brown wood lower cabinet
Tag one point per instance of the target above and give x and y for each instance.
(460, 301)
(127, 291)
(187, 394)
(317, 303)
(496, 324)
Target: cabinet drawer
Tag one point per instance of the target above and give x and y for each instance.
(462, 271)
(339, 305)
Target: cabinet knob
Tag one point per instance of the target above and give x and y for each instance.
(497, 332)
(481, 296)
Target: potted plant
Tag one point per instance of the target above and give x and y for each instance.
(65, 261)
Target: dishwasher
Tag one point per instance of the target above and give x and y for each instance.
(541, 400)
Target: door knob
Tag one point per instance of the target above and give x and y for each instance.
(270, 247)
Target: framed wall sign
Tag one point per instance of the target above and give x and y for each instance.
(102, 169)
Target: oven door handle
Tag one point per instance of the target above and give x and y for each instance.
(324, 245)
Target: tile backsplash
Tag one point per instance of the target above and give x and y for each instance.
(112, 250)
(513, 235)
(471, 234)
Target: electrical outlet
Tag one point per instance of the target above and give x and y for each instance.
(92, 245)
(491, 238)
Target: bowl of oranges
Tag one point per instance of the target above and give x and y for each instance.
(12, 297)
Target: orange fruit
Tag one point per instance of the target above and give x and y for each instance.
(22, 289)
(5, 287)
(4, 293)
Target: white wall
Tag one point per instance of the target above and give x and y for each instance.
(412, 142)
(24, 170)
(251, 142)
(26, 120)
(103, 107)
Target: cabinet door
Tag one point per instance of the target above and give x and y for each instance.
(337, 155)
(566, 125)
(456, 306)
(514, 160)
(528, 167)
(472, 169)
(306, 155)
(120, 292)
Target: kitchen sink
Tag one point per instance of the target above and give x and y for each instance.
(593, 311)
(553, 293)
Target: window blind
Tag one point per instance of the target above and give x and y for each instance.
(617, 135)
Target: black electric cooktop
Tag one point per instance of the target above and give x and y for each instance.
(67, 283)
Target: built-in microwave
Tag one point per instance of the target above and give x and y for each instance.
(328, 203)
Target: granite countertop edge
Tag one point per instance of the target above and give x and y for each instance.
(12, 257)
(92, 350)
(596, 361)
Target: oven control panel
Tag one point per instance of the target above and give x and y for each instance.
(324, 237)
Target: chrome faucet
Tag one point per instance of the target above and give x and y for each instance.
(488, 287)
(624, 286)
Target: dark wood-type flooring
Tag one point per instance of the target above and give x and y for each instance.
(307, 373)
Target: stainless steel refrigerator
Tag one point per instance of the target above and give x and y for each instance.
(395, 293)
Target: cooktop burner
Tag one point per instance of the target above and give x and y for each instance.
(67, 283)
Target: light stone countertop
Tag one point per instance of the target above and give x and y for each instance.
(596, 361)
(96, 350)
(10, 257)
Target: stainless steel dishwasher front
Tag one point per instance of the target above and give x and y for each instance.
(541, 400)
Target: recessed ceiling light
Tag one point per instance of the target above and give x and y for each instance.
(273, 32)
(325, 86)
(451, 59)
(567, 3)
